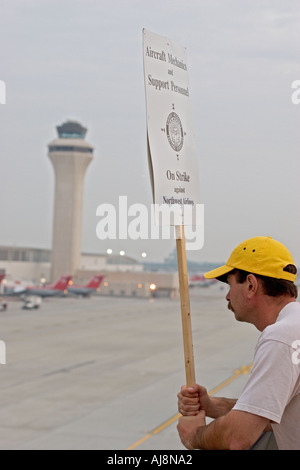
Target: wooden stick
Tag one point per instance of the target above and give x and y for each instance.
(185, 306)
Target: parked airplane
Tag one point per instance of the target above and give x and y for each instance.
(90, 287)
(50, 290)
(41, 291)
(198, 280)
(11, 291)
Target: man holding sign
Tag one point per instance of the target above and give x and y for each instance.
(261, 274)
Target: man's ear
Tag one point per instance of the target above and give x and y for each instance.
(251, 284)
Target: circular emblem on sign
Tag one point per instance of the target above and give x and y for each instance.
(174, 132)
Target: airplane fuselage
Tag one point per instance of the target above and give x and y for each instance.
(44, 292)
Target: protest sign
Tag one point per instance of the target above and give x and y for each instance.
(172, 155)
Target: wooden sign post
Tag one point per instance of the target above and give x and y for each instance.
(172, 156)
(185, 306)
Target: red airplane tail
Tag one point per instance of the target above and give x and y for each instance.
(2, 276)
(95, 282)
(62, 283)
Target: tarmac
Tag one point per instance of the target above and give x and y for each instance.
(103, 372)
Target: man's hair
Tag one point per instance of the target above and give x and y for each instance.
(271, 286)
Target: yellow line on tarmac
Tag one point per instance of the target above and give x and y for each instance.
(243, 370)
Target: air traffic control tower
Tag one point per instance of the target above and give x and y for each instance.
(70, 155)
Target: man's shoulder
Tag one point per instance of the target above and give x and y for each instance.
(287, 327)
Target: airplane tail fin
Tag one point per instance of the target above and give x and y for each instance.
(2, 276)
(62, 283)
(95, 282)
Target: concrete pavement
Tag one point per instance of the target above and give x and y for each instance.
(103, 373)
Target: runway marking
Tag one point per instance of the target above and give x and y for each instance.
(244, 370)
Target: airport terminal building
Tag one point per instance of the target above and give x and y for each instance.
(123, 276)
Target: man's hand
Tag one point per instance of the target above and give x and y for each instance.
(192, 399)
(187, 429)
(195, 398)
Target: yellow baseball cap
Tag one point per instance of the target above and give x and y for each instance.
(258, 255)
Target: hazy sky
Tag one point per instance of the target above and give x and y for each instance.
(83, 60)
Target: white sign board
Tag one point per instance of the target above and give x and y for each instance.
(171, 141)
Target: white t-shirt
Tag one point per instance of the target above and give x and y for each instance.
(273, 388)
